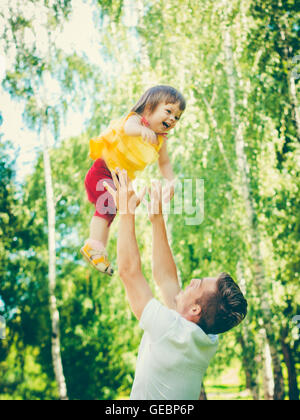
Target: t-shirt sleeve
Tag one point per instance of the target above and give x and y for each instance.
(157, 319)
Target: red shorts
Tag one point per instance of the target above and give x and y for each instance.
(97, 194)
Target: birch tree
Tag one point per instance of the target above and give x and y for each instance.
(239, 134)
(54, 313)
(243, 168)
(33, 63)
(15, 39)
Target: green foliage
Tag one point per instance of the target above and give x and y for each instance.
(99, 335)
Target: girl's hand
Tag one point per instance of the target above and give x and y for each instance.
(149, 135)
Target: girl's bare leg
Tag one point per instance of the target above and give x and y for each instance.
(94, 249)
(99, 230)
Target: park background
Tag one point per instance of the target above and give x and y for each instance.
(70, 66)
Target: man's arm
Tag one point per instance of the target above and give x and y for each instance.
(129, 265)
(129, 260)
(164, 267)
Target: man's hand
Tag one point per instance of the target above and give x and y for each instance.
(124, 196)
(169, 191)
(156, 197)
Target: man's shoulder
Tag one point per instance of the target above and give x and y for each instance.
(157, 319)
(181, 328)
(155, 306)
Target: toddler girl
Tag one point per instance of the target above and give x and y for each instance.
(131, 143)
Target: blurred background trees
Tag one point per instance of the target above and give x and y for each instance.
(235, 63)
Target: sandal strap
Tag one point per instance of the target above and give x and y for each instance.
(97, 257)
(102, 260)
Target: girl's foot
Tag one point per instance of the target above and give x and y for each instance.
(96, 255)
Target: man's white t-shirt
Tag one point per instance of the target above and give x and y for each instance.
(173, 356)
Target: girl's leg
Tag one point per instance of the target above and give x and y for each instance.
(99, 230)
(94, 249)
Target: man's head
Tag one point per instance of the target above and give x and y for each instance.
(216, 304)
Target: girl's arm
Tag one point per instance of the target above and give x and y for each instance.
(164, 164)
(166, 170)
(134, 127)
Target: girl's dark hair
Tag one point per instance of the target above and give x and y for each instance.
(224, 309)
(157, 94)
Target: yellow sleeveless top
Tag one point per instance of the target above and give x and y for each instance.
(122, 151)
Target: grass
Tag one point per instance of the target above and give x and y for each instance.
(227, 385)
(227, 392)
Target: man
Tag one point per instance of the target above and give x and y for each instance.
(180, 338)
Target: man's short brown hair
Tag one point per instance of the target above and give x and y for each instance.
(224, 309)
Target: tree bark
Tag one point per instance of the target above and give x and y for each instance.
(295, 104)
(291, 80)
(268, 378)
(144, 56)
(290, 364)
(54, 314)
(248, 343)
(247, 363)
(243, 168)
(214, 125)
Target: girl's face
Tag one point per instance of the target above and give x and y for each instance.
(164, 118)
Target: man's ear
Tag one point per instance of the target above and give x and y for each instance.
(195, 312)
(196, 309)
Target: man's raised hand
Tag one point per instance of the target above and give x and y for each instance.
(156, 197)
(124, 196)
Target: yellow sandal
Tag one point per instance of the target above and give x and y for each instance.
(97, 258)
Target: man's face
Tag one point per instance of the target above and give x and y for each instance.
(197, 290)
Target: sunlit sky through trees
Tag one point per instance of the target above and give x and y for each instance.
(79, 34)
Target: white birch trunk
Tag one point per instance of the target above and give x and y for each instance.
(145, 61)
(250, 373)
(291, 82)
(214, 124)
(268, 374)
(54, 314)
(243, 168)
(294, 99)
(267, 371)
